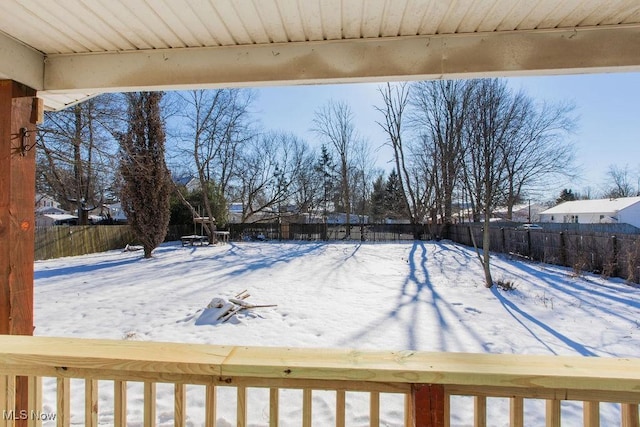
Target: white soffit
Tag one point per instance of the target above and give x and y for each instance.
(70, 49)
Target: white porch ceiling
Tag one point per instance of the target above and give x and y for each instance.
(71, 49)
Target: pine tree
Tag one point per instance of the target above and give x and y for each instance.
(377, 210)
(394, 197)
(146, 185)
(566, 196)
(326, 171)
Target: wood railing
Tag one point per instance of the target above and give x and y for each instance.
(427, 383)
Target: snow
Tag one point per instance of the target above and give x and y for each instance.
(394, 296)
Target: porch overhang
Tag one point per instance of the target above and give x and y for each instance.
(69, 53)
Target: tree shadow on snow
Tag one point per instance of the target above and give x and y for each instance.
(528, 322)
(594, 298)
(90, 267)
(264, 261)
(417, 294)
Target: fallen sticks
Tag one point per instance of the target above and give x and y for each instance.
(232, 306)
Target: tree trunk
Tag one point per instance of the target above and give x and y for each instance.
(346, 196)
(486, 242)
(147, 251)
(77, 168)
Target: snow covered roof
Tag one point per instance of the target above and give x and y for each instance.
(49, 210)
(183, 180)
(593, 206)
(60, 217)
(524, 207)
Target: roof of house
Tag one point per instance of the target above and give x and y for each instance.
(70, 50)
(593, 206)
(60, 217)
(535, 207)
(183, 180)
(44, 210)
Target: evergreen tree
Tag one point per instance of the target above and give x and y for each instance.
(566, 195)
(147, 183)
(377, 210)
(181, 213)
(394, 197)
(327, 173)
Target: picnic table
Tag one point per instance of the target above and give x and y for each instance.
(194, 239)
(223, 236)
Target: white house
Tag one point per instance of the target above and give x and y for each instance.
(625, 210)
(116, 212)
(44, 201)
(48, 211)
(521, 213)
(50, 219)
(190, 182)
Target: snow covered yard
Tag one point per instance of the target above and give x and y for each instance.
(409, 296)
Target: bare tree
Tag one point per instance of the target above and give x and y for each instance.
(619, 182)
(396, 100)
(494, 120)
(538, 154)
(334, 124)
(76, 158)
(269, 168)
(362, 176)
(307, 181)
(439, 112)
(424, 175)
(215, 124)
(146, 179)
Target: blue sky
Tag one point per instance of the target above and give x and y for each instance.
(608, 129)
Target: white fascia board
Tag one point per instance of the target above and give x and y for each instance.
(58, 101)
(535, 52)
(21, 63)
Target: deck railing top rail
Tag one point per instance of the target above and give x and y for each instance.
(71, 357)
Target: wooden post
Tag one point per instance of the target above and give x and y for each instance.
(614, 257)
(553, 413)
(480, 411)
(591, 414)
(180, 405)
(427, 405)
(630, 416)
(516, 412)
(20, 110)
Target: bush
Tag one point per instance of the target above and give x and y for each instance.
(506, 285)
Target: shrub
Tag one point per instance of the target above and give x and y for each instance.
(506, 285)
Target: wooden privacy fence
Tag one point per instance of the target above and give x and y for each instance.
(603, 253)
(61, 241)
(426, 382)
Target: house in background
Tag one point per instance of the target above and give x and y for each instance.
(235, 213)
(190, 182)
(48, 211)
(43, 201)
(116, 213)
(521, 213)
(625, 210)
(51, 219)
